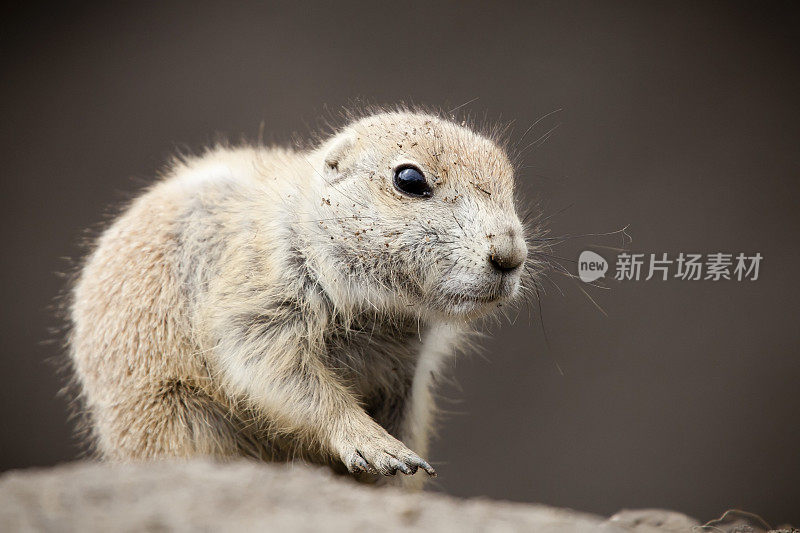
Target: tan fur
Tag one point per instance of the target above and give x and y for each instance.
(285, 304)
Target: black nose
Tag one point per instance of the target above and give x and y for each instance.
(505, 263)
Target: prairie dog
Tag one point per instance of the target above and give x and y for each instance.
(279, 304)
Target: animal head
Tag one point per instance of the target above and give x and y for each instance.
(417, 212)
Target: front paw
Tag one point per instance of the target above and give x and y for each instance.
(382, 455)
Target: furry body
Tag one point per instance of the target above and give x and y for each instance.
(275, 304)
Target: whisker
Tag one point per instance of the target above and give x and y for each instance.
(623, 231)
(560, 211)
(537, 121)
(541, 140)
(554, 257)
(462, 105)
(573, 278)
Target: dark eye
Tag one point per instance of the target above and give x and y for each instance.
(411, 181)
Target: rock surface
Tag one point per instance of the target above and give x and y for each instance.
(246, 496)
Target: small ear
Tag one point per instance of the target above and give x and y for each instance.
(339, 153)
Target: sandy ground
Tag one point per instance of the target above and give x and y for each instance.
(245, 496)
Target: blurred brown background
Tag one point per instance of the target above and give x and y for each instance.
(679, 119)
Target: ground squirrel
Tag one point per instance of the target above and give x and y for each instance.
(279, 303)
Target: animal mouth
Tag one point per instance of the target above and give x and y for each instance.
(485, 298)
(478, 295)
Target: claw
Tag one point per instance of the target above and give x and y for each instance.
(404, 468)
(394, 466)
(387, 461)
(427, 468)
(359, 464)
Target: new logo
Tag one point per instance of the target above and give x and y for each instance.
(591, 266)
